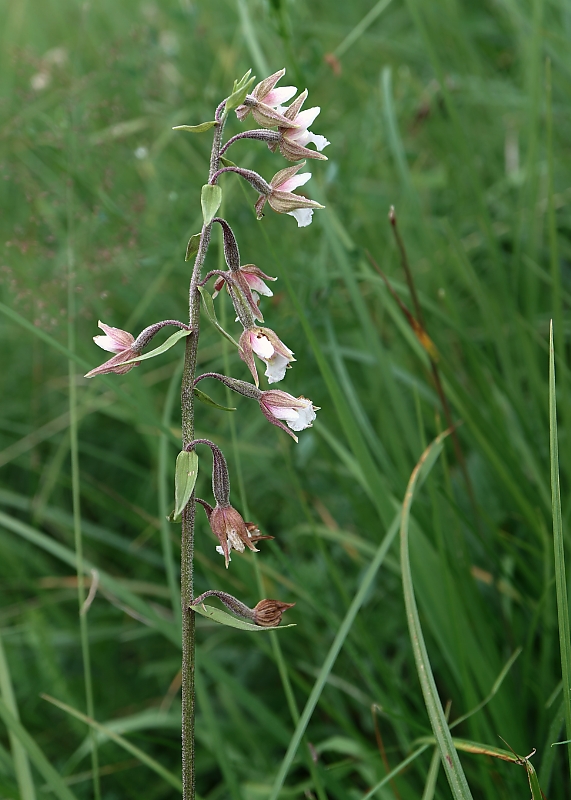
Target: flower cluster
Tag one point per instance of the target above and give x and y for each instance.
(285, 130)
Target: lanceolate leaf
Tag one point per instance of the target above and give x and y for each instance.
(211, 314)
(184, 479)
(204, 126)
(166, 345)
(204, 398)
(216, 615)
(237, 98)
(210, 199)
(192, 246)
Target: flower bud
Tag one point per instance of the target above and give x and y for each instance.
(264, 100)
(268, 613)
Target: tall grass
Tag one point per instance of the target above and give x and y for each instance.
(456, 114)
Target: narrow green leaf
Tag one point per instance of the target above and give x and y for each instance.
(243, 81)
(226, 162)
(394, 772)
(19, 755)
(331, 657)
(192, 246)
(185, 475)
(208, 303)
(210, 199)
(204, 126)
(560, 578)
(36, 756)
(536, 793)
(124, 743)
(216, 615)
(204, 398)
(166, 345)
(448, 754)
(239, 95)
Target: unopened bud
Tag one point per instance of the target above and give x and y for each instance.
(268, 613)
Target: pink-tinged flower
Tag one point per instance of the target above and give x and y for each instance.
(297, 412)
(282, 199)
(114, 341)
(264, 100)
(230, 530)
(250, 279)
(292, 141)
(269, 348)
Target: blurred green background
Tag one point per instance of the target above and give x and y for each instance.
(442, 109)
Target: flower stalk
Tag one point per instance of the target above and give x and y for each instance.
(246, 284)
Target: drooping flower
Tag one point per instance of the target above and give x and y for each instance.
(269, 348)
(292, 141)
(115, 341)
(281, 197)
(250, 279)
(230, 530)
(265, 99)
(297, 412)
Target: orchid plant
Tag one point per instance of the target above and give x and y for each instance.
(285, 129)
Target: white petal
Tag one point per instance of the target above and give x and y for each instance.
(305, 417)
(305, 118)
(319, 141)
(276, 368)
(108, 343)
(262, 347)
(221, 551)
(289, 414)
(234, 542)
(302, 215)
(258, 285)
(294, 183)
(278, 96)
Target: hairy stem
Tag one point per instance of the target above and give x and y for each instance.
(189, 513)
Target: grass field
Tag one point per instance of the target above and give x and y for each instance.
(458, 115)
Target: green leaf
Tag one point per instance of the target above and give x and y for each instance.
(210, 199)
(443, 737)
(216, 615)
(185, 475)
(211, 314)
(536, 793)
(558, 545)
(243, 81)
(204, 126)
(226, 162)
(238, 96)
(120, 740)
(166, 345)
(36, 756)
(204, 398)
(192, 246)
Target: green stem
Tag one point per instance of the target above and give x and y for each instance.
(188, 515)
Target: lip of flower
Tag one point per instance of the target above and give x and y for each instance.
(282, 199)
(115, 341)
(297, 412)
(270, 349)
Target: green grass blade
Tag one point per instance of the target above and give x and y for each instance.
(560, 579)
(394, 772)
(449, 756)
(313, 699)
(19, 754)
(432, 777)
(35, 755)
(121, 741)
